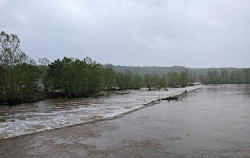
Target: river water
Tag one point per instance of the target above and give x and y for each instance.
(212, 121)
(51, 114)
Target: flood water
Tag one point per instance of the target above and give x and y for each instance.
(50, 114)
(212, 121)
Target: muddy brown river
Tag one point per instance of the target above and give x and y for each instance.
(212, 121)
(51, 114)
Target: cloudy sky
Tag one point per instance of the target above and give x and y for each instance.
(191, 33)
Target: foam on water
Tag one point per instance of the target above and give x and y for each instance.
(51, 114)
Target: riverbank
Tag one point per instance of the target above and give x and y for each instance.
(212, 121)
(50, 114)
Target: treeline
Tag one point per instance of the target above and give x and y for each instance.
(128, 80)
(71, 77)
(24, 80)
(142, 70)
(224, 77)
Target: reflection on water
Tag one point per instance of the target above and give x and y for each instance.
(50, 114)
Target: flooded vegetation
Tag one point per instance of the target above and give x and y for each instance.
(22, 79)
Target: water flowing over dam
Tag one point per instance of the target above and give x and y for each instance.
(50, 114)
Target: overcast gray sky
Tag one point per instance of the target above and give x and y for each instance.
(191, 33)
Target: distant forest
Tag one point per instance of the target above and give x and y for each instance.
(23, 79)
(203, 75)
(196, 72)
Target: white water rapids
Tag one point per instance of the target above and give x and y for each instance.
(50, 114)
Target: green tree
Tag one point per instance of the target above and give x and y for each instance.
(74, 78)
(224, 76)
(25, 79)
(18, 76)
(137, 81)
(173, 79)
(108, 78)
(148, 81)
(184, 78)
